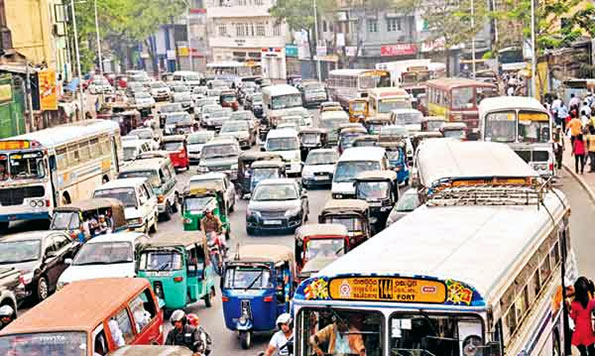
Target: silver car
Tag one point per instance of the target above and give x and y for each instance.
(408, 202)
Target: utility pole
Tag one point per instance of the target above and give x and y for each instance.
(29, 94)
(317, 40)
(190, 58)
(473, 38)
(78, 63)
(534, 50)
(98, 42)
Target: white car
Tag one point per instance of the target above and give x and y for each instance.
(319, 167)
(286, 143)
(160, 91)
(219, 179)
(195, 142)
(147, 135)
(104, 256)
(143, 100)
(133, 147)
(140, 203)
(100, 86)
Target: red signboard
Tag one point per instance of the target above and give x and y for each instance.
(198, 11)
(399, 49)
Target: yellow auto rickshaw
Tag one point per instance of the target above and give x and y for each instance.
(358, 110)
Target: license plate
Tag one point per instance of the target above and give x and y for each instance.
(320, 177)
(272, 222)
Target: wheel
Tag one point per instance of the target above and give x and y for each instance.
(245, 339)
(174, 207)
(4, 227)
(250, 230)
(42, 289)
(154, 227)
(209, 298)
(168, 211)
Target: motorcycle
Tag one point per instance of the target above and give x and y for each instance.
(217, 250)
(288, 346)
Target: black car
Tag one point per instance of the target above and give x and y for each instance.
(41, 258)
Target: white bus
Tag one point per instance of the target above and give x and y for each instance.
(381, 101)
(56, 166)
(346, 84)
(278, 99)
(233, 71)
(522, 123)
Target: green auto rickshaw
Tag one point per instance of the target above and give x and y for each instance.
(178, 268)
(197, 200)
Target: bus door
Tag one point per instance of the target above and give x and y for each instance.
(115, 154)
(51, 164)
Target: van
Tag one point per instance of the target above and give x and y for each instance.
(352, 162)
(140, 203)
(133, 148)
(190, 79)
(286, 143)
(105, 256)
(91, 317)
(161, 174)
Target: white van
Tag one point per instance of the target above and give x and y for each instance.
(286, 143)
(278, 99)
(352, 162)
(191, 79)
(140, 203)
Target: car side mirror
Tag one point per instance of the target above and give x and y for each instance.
(262, 149)
(68, 261)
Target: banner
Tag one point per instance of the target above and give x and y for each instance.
(399, 49)
(48, 95)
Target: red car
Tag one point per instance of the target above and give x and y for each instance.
(178, 153)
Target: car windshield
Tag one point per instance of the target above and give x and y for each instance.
(435, 125)
(182, 96)
(142, 134)
(234, 126)
(347, 170)
(152, 176)
(347, 139)
(198, 204)
(210, 108)
(19, 251)
(175, 118)
(142, 95)
(458, 134)
(409, 118)
(325, 248)
(463, 98)
(214, 151)
(180, 89)
(220, 113)
(157, 85)
(333, 123)
(393, 131)
(130, 153)
(282, 144)
(171, 108)
(247, 278)
(534, 127)
(417, 333)
(319, 158)
(362, 332)
(275, 192)
(500, 126)
(259, 174)
(65, 220)
(104, 253)
(373, 190)
(22, 165)
(126, 195)
(241, 115)
(228, 98)
(61, 343)
(199, 139)
(358, 106)
(160, 261)
(386, 105)
(286, 101)
(173, 146)
(310, 138)
(408, 202)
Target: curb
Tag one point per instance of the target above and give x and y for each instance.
(580, 181)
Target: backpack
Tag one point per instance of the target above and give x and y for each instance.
(206, 340)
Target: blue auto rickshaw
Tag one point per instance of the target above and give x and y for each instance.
(397, 159)
(256, 287)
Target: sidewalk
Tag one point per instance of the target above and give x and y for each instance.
(586, 180)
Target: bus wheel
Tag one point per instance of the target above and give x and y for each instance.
(245, 339)
(4, 227)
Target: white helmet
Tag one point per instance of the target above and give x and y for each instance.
(284, 318)
(6, 310)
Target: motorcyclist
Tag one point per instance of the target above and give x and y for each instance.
(184, 334)
(7, 315)
(282, 339)
(211, 224)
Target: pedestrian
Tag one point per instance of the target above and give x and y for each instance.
(280, 341)
(575, 127)
(578, 150)
(558, 145)
(574, 102)
(561, 115)
(580, 311)
(591, 148)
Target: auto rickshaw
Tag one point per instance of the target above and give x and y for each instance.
(176, 145)
(381, 190)
(365, 141)
(178, 268)
(456, 130)
(244, 173)
(375, 123)
(353, 214)
(397, 159)
(418, 137)
(268, 169)
(347, 135)
(229, 99)
(432, 123)
(358, 109)
(69, 217)
(312, 138)
(317, 245)
(197, 200)
(128, 121)
(152, 350)
(256, 287)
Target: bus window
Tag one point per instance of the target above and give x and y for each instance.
(462, 98)
(500, 127)
(338, 332)
(534, 127)
(26, 165)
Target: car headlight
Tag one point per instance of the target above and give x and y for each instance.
(307, 174)
(293, 212)
(253, 213)
(234, 167)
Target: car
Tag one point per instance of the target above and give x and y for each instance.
(408, 202)
(140, 203)
(159, 91)
(214, 120)
(330, 106)
(286, 143)
(184, 98)
(220, 155)
(133, 148)
(219, 179)
(319, 167)
(11, 289)
(179, 88)
(277, 204)
(40, 257)
(134, 87)
(147, 134)
(206, 111)
(100, 85)
(217, 84)
(195, 142)
(254, 103)
(172, 119)
(303, 112)
(240, 130)
(247, 116)
(142, 100)
(313, 94)
(199, 92)
(104, 256)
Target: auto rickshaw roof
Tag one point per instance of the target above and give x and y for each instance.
(433, 118)
(203, 188)
(151, 350)
(453, 126)
(268, 164)
(366, 138)
(90, 204)
(377, 175)
(173, 138)
(388, 145)
(313, 130)
(426, 134)
(321, 230)
(255, 156)
(354, 130)
(88, 303)
(348, 125)
(345, 205)
(179, 238)
(264, 253)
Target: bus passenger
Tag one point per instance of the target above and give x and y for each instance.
(342, 338)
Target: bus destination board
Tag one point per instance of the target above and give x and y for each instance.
(388, 289)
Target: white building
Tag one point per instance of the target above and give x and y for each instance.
(243, 30)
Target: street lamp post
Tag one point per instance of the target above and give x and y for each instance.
(98, 41)
(78, 62)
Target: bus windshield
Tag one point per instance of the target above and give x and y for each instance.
(286, 101)
(340, 332)
(22, 166)
(63, 343)
(386, 105)
(500, 126)
(463, 98)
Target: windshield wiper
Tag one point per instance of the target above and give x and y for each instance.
(255, 279)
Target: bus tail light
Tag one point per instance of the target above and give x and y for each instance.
(47, 203)
(224, 299)
(268, 299)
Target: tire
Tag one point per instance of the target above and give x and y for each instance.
(245, 339)
(250, 231)
(154, 227)
(209, 298)
(174, 207)
(43, 289)
(4, 227)
(168, 212)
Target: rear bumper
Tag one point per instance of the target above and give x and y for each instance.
(25, 216)
(317, 182)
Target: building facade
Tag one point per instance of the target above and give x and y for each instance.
(244, 31)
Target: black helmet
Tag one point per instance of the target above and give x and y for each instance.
(178, 315)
